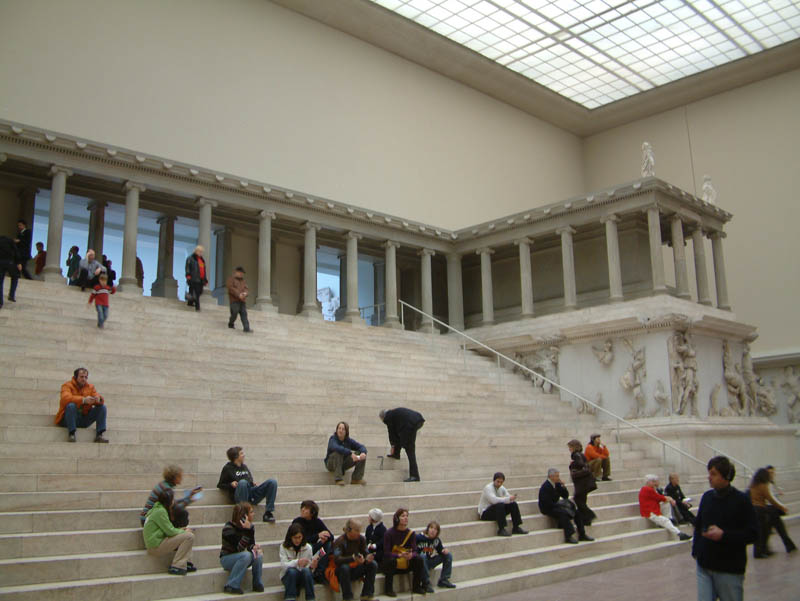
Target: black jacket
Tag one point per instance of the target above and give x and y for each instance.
(374, 535)
(312, 529)
(732, 511)
(230, 473)
(344, 447)
(549, 494)
(9, 252)
(193, 270)
(402, 423)
(674, 491)
(236, 539)
(581, 475)
(24, 244)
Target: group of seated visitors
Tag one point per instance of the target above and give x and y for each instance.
(650, 500)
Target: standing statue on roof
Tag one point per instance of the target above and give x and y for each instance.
(648, 160)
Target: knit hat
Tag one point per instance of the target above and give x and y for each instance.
(376, 515)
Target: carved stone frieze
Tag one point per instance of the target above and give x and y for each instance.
(543, 362)
(631, 381)
(604, 354)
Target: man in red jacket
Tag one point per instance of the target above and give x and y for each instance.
(649, 506)
(81, 406)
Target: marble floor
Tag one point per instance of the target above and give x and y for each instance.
(673, 579)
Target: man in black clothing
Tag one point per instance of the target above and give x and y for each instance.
(403, 424)
(11, 264)
(563, 512)
(237, 481)
(23, 242)
(681, 508)
(724, 526)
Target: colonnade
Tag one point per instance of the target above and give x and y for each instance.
(455, 293)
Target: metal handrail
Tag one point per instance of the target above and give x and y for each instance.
(746, 467)
(539, 376)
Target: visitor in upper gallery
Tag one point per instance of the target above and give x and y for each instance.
(354, 562)
(89, 271)
(343, 453)
(374, 534)
(554, 502)
(768, 511)
(682, 504)
(402, 425)
(240, 551)
(726, 523)
(161, 537)
(496, 503)
(650, 506)
(400, 555)
(172, 477)
(196, 277)
(583, 480)
(10, 264)
(237, 480)
(598, 457)
(81, 406)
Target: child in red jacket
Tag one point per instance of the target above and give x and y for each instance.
(100, 296)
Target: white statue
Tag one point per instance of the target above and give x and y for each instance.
(631, 380)
(604, 355)
(713, 405)
(734, 381)
(662, 400)
(648, 160)
(791, 384)
(543, 362)
(588, 409)
(330, 303)
(764, 400)
(709, 191)
(749, 377)
(689, 383)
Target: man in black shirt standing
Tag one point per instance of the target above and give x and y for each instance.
(403, 424)
(724, 526)
(11, 264)
(23, 242)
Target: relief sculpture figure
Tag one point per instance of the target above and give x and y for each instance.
(631, 380)
(604, 355)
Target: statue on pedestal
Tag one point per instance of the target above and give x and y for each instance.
(709, 192)
(648, 160)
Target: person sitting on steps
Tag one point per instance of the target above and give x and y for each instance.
(649, 506)
(343, 453)
(400, 555)
(81, 406)
(598, 457)
(161, 537)
(237, 481)
(554, 502)
(496, 503)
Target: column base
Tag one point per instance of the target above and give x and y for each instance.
(165, 287)
(129, 285)
(615, 299)
(265, 305)
(311, 312)
(724, 307)
(705, 301)
(354, 317)
(526, 315)
(487, 322)
(393, 323)
(53, 274)
(427, 328)
(685, 296)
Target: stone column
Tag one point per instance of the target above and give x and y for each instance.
(353, 315)
(264, 298)
(487, 294)
(568, 267)
(455, 292)
(55, 224)
(525, 276)
(679, 256)
(656, 258)
(720, 278)
(97, 222)
(703, 294)
(165, 284)
(128, 281)
(204, 230)
(379, 292)
(310, 307)
(392, 321)
(614, 265)
(427, 288)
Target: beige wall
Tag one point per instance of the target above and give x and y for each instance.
(746, 139)
(247, 87)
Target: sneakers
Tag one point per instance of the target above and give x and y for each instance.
(445, 584)
(268, 517)
(99, 438)
(518, 530)
(684, 536)
(503, 532)
(232, 591)
(361, 482)
(176, 571)
(71, 437)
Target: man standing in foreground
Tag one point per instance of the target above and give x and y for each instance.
(725, 525)
(237, 296)
(403, 424)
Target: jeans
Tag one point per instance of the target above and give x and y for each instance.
(102, 315)
(499, 511)
(719, 585)
(7, 267)
(430, 563)
(240, 309)
(74, 419)
(346, 575)
(253, 494)
(237, 564)
(292, 580)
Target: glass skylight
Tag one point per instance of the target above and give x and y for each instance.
(595, 52)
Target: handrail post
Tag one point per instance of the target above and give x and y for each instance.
(464, 352)
(402, 316)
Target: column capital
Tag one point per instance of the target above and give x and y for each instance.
(453, 256)
(611, 217)
(651, 207)
(128, 186)
(267, 215)
(166, 219)
(205, 202)
(717, 235)
(96, 204)
(565, 230)
(525, 240)
(426, 251)
(676, 217)
(59, 169)
(353, 236)
(698, 227)
(485, 250)
(309, 225)
(391, 244)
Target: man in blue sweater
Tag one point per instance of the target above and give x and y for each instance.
(725, 525)
(343, 453)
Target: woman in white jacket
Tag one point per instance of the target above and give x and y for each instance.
(297, 564)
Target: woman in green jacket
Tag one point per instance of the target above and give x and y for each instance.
(161, 537)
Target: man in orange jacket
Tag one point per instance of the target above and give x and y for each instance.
(81, 406)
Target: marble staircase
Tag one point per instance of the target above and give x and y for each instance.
(182, 388)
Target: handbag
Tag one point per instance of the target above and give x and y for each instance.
(567, 507)
(402, 562)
